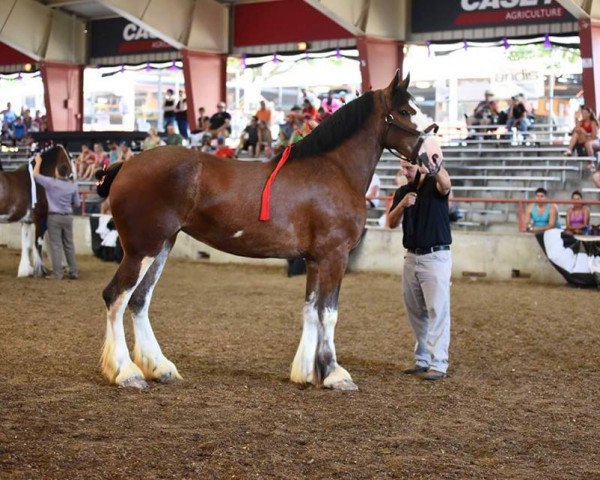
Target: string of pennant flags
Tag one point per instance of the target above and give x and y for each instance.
(253, 61)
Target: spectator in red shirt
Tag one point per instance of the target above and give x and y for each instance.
(308, 109)
(223, 150)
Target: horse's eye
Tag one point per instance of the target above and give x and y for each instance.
(405, 113)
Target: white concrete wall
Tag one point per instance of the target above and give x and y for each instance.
(495, 254)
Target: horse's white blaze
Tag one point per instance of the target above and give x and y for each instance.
(116, 362)
(238, 234)
(27, 242)
(304, 362)
(147, 354)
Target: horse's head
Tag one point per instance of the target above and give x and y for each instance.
(53, 158)
(401, 134)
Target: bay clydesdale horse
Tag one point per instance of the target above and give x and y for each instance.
(16, 206)
(317, 210)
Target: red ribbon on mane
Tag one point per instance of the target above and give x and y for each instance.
(266, 194)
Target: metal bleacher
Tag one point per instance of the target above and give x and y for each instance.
(499, 165)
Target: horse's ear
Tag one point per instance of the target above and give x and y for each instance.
(405, 83)
(394, 83)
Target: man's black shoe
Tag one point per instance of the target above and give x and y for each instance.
(416, 370)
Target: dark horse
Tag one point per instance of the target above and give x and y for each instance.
(15, 206)
(317, 211)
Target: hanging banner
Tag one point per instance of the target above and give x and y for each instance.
(438, 15)
(118, 36)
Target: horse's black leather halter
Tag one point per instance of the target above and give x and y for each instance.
(421, 135)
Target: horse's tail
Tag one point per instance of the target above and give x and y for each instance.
(105, 178)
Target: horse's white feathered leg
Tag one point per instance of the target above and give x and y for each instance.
(38, 262)
(338, 378)
(303, 365)
(147, 353)
(25, 268)
(116, 363)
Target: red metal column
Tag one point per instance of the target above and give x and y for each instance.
(589, 35)
(379, 60)
(63, 96)
(205, 78)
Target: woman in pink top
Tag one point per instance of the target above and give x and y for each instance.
(578, 216)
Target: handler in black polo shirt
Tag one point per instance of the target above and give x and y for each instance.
(422, 206)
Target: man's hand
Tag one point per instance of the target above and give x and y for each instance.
(38, 164)
(409, 200)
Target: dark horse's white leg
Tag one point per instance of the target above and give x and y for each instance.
(303, 366)
(116, 363)
(315, 360)
(27, 246)
(147, 354)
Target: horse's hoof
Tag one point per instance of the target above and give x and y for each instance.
(169, 377)
(134, 382)
(343, 385)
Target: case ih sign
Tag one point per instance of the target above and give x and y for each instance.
(436, 15)
(118, 36)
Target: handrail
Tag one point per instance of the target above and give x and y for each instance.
(519, 201)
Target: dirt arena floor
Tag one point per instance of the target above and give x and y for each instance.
(521, 402)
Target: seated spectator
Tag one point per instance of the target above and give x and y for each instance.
(27, 120)
(578, 216)
(205, 143)
(223, 151)
(486, 112)
(36, 123)
(249, 138)
(541, 216)
(85, 162)
(44, 124)
(517, 115)
(152, 140)
(113, 152)
(330, 105)
(19, 130)
(172, 137)
(125, 152)
(263, 113)
(101, 157)
(281, 142)
(585, 134)
(371, 197)
(305, 128)
(308, 110)
(265, 140)
(288, 127)
(220, 122)
(197, 135)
